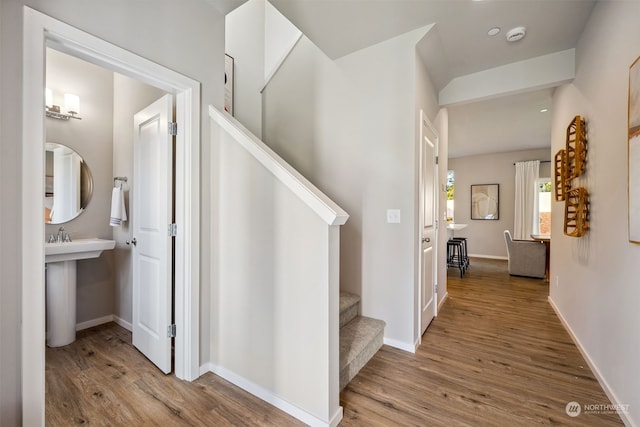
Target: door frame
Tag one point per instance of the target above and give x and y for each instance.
(41, 31)
(435, 138)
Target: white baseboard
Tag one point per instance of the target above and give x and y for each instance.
(207, 367)
(102, 320)
(94, 322)
(411, 348)
(120, 321)
(603, 383)
(271, 398)
(504, 258)
(442, 301)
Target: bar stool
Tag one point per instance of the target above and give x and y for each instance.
(455, 255)
(465, 251)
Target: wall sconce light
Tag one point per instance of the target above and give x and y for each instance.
(71, 105)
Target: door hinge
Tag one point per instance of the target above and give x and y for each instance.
(171, 331)
(173, 128)
(437, 157)
(173, 230)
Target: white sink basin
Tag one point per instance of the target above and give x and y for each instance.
(78, 249)
(61, 285)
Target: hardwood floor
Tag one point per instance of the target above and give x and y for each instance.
(495, 355)
(101, 379)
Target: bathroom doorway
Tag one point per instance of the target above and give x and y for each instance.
(41, 31)
(104, 133)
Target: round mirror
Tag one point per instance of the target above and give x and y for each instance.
(68, 184)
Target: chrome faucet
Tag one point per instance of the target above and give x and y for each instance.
(62, 236)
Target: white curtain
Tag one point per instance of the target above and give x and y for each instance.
(526, 208)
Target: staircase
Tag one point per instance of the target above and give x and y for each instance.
(360, 338)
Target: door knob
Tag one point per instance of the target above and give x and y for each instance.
(426, 240)
(133, 242)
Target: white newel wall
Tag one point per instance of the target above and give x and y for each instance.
(275, 290)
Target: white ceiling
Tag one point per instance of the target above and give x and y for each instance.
(509, 123)
(458, 46)
(339, 27)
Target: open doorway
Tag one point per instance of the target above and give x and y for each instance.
(41, 31)
(103, 139)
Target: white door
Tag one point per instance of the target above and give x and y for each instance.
(151, 216)
(428, 206)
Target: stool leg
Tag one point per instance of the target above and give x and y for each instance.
(465, 256)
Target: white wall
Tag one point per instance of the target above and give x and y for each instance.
(258, 37)
(486, 237)
(355, 139)
(129, 97)
(280, 35)
(594, 279)
(170, 34)
(90, 137)
(274, 298)
(245, 42)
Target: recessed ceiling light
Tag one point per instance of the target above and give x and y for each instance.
(493, 31)
(544, 110)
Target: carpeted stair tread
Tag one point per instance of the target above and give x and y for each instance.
(360, 339)
(348, 307)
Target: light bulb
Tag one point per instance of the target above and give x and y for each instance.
(48, 97)
(72, 103)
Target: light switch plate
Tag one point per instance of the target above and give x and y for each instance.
(393, 216)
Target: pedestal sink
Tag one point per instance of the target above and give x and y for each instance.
(61, 285)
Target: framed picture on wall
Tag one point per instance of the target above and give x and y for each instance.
(228, 84)
(485, 201)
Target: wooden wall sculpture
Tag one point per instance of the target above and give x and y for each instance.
(576, 150)
(569, 164)
(560, 164)
(576, 212)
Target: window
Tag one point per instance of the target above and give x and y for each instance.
(450, 194)
(544, 206)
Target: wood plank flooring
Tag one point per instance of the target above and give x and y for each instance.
(102, 380)
(495, 356)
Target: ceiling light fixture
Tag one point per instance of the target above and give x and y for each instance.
(516, 34)
(544, 110)
(493, 31)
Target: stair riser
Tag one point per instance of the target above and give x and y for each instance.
(351, 370)
(348, 315)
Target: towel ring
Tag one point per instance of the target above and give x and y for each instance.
(122, 180)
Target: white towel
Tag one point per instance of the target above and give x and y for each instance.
(118, 211)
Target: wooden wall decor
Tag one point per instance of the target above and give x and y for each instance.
(576, 149)
(569, 164)
(560, 165)
(576, 212)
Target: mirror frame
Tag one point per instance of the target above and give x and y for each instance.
(86, 185)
